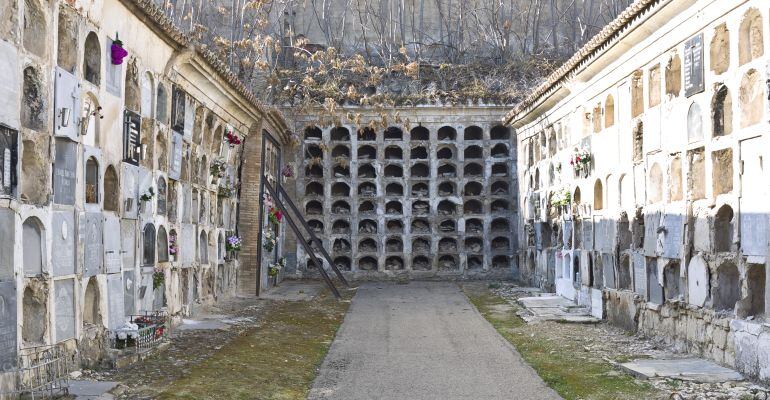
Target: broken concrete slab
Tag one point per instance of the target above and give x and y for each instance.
(91, 390)
(202, 324)
(554, 308)
(691, 369)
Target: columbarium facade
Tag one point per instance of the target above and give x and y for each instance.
(643, 185)
(434, 197)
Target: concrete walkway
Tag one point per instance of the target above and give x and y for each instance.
(422, 341)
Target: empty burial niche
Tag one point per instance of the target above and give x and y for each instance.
(67, 52)
(598, 195)
(500, 205)
(341, 207)
(340, 134)
(367, 264)
(313, 133)
(473, 169)
(314, 171)
(447, 245)
(671, 281)
(33, 109)
(637, 94)
(367, 245)
(367, 171)
(473, 189)
(394, 189)
(447, 171)
(341, 152)
(340, 227)
(394, 263)
(34, 312)
(420, 189)
(499, 170)
(420, 208)
(367, 189)
(394, 245)
(750, 43)
(420, 263)
(393, 133)
(314, 207)
(755, 285)
(475, 262)
(500, 132)
(624, 273)
(421, 245)
(719, 49)
(447, 225)
(723, 229)
(419, 133)
(446, 207)
(395, 226)
(366, 207)
(501, 243)
(111, 189)
(655, 185)
(420, 170)
(474, 245)
(342, 263)
(314, 189)
(341, 171)
(444, 153)
(473, 207)
(394, 171)
(473, 132)
(394, 153)
(341, 245)
(420, 225)
(419, 153)
(448, 263)
(367, 153)
(367, 226)
(394, 207)
(728, 289)
(33, 250)
(750, 98)
(722, 111)
(446, 188)
(500, 150)
(474, 226)
(447, 133)
(91, 309)
(500, 225)
(722, 171)
(367, 135)
(473, 152)
(501, 262)
(316, 225)
(34, 27)
(92, 59)
(499, 188)
(340, 189)
(313, 151)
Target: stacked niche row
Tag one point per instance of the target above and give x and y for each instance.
(434, 199)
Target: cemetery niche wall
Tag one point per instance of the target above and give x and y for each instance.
(95, 174)
(644, 193)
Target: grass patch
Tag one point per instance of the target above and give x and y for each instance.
(561, 364)
(277, 360)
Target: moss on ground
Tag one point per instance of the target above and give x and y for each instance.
(555, 360)
(277, 360)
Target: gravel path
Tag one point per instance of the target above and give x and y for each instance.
(424, 341)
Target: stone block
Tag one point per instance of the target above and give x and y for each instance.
(64, 309)
(10, 85)
(63, 242)
(91, 235)
(8, 233)
(8, 323)
(697, 281)
(111, 241)
(115, 298)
